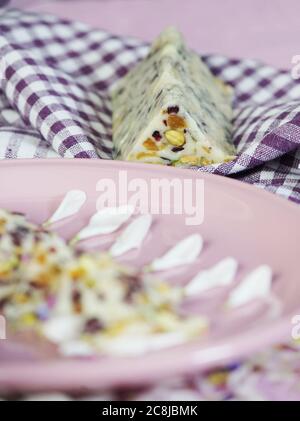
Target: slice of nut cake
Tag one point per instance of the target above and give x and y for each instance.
(85, 302)
(170, 109)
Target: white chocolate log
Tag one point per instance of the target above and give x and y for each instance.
(170, 109)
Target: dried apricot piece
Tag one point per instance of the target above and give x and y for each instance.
(150, 145)
(176, 122)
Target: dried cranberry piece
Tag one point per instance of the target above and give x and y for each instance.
(156, 135)
(3, 302)
(173, 109)
(177, 148)
(78, 252)
(76, 296)
(18, 213)
(133, 285)
(93, 325)
(16, 239)
(18, 235)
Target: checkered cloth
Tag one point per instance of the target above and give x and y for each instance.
(54, 100)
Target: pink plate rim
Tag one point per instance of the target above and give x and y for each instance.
(96, 373)
(141, 166)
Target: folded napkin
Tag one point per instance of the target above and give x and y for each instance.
(54, 99)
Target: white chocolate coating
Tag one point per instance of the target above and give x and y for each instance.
(170, 109)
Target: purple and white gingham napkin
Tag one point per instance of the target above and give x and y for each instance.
(54, 99)
(54, 102)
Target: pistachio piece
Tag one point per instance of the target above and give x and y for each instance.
(174, 137)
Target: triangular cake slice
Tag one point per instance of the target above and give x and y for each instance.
(171, 110)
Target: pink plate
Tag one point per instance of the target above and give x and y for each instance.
(239, 220)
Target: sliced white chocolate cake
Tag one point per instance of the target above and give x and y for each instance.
(85, 303)
(170, 109)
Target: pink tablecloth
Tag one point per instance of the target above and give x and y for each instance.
(267, 30)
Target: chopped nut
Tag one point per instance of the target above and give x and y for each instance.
(28, 319)
(142, 155)
(194, 160)
(174, 137)
(163, 288)
(41, 258)
(116, 328)
(21, 298)
(43, 280)
(162, 146)
(176, 122)
(204, 161)
(90, 283)
(218, 378)
(150, 145)
(229, 158)
(189, 159)
(77, 273)
(207, 149)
